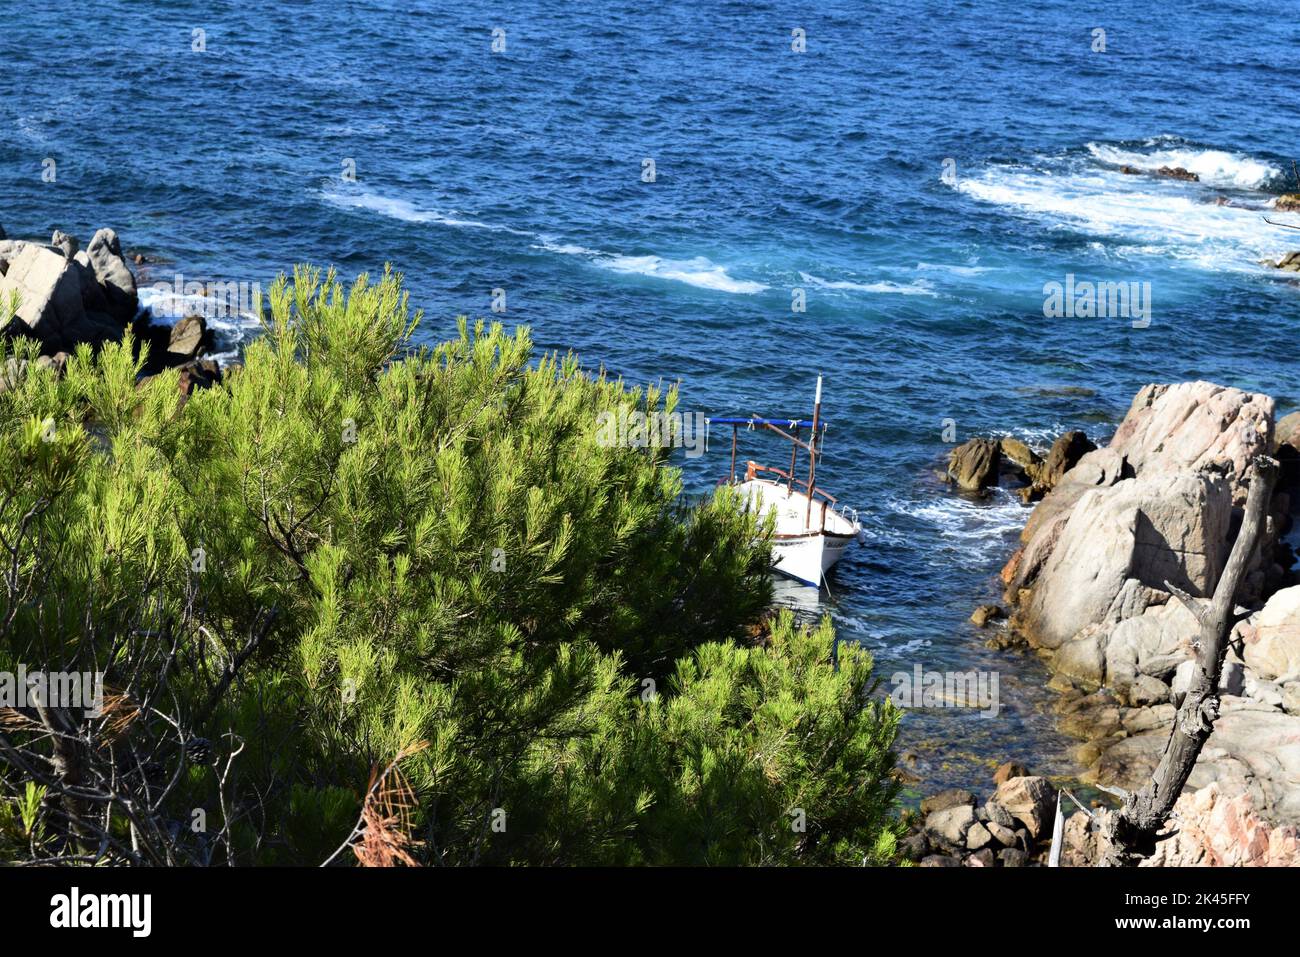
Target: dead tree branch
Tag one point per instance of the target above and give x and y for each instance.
(1131, 833)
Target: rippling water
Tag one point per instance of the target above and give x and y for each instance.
(774, 170)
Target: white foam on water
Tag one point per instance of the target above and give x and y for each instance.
(1215, 167)
(919, 287)
(406, 211)
(1039, 438)
(230, 328)
(1156, 216)
(978, 530)
(700, 272)
(552, 245)
(954, 270)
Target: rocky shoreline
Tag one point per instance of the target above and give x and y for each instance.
(68, 297)
(1088, 590)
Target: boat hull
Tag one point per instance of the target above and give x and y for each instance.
(802, 553)
(808, 558)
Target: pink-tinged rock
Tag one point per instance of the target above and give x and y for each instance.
(1215, 830)
(1172, 428)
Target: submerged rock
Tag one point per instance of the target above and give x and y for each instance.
(1287, 262)
(953, 797)
(974, 465)
(984, 614)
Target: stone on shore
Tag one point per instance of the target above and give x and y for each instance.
(187, 338)
(978, 836)
(68, 295)
(1191, 425)
(1021, 455)
(1218, 830)
(1009, 769)
(1030, 800)
(953, 797)
(1065, 454)
(951, 824)
(1273, 650)
(50, 291)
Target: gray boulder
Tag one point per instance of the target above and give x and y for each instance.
(978, 836)
(50, 290)
(113, 273)
(187, 338)
(997, 814)
(1002, 834)
(1153, 528)
(1190, 425)
(1149, 645)
(951, 824)
(1146, 691)
(68, 244)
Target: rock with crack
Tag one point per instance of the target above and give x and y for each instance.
(1165, 527)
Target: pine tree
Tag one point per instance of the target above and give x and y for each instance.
(360, 560)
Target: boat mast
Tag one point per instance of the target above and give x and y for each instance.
(794, 454)
(732, 479)
(812, 453)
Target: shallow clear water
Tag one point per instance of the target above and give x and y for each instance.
(775, 170)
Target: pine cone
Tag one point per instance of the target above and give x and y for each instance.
(198, 751)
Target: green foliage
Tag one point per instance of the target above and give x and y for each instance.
(353, 546)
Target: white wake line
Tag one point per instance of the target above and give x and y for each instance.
(918, 287)
(699, 271)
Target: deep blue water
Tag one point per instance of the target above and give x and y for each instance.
(820, 170)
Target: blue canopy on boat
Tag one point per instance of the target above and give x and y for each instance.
(785, 423)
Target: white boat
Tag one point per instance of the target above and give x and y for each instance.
(812, 530)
